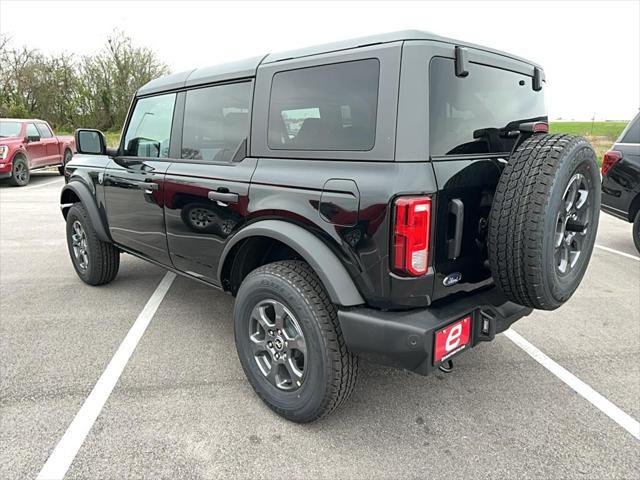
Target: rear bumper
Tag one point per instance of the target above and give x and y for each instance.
(406, 339)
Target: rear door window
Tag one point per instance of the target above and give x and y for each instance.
(149, 128)
(216, 122)
(329, 107)
(473, 114)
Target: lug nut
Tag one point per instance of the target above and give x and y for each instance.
(269, 344)
(271, 332)
(286, 344)
(279, 332)
(277, 355)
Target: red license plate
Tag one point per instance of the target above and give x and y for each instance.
(452, 339)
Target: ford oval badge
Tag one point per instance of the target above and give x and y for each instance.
(452, 279)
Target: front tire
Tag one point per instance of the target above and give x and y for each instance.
(96, 262)
(290, 344)
(20, 174)
(636, 231)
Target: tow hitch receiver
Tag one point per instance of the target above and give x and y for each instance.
(446, 367)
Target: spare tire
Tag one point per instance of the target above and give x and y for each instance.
(543, 220)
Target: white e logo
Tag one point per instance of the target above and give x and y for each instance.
(453, 340)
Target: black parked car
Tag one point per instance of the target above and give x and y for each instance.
(621, 178)
(397, 196)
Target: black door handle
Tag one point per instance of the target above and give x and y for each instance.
(148, 187)
(226, 197)
(454, 245)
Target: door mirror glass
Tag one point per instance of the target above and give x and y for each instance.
(90, 142)
(32, 138)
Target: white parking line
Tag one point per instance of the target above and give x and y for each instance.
(601, 403)
(613, 250)
(60, 459)
(31, 187)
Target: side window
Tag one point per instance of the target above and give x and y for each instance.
(633, 134)
(329, 107)
(32, 131)
(216, 122)
(149, 129)
(44, 130)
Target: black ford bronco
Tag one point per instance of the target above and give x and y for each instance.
(396, 196)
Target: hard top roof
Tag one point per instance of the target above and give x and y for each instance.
(247, 68)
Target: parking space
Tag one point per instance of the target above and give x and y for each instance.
(182, 408)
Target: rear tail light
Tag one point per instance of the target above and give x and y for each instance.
(410, 242)
(610, 159)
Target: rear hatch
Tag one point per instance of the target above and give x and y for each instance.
(472, 128)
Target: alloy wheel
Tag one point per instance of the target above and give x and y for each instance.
(79, 245)
(278, 345)
(572, 223)
(21, 173)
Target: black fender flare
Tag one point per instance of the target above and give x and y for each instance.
(88, 201)
(334, 276)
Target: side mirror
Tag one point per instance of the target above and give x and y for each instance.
(32, 138)
(91, 142)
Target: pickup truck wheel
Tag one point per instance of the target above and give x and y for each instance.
(20, 175)
(543, 220)
(65, 159)
(636, 231)
(290, 343)
(96, 262)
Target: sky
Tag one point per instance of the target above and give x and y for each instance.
(590, 50)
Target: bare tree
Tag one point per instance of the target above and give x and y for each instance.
(94, 91)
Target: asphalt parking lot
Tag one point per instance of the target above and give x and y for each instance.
(182, 407)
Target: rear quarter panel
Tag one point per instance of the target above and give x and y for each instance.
(363, 247)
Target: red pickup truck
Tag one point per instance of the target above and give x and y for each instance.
(27, 145)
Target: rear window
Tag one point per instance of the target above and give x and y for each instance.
(10, 129)
(472, 114)
(329, 107)
(632, 135)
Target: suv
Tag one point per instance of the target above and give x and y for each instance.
(396, 196)
(26, 145)
(621, 178)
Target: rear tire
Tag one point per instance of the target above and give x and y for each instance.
(96, 262)
(68, 155)
(302, 370)
(636, 231)
(543, 220)
(20, 174)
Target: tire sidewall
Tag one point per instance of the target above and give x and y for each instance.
(74, 214)
(636, 231)
(304, 401)
(580, 158)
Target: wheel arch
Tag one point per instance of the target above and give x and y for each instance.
(634, 206)
(76, 191)
(299, 243)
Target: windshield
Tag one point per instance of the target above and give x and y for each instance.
(10, 129)
(474, 114)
